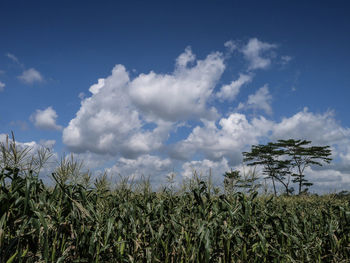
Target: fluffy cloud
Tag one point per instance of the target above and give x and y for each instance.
(144, 165)
(254, 51)
(109, 123)
(30, 76)
(185, 58)
(227, 139)
(33, 148)
(206, 168)
(235, 134)
(45, 119)
(328, 180)
(260, 100)
(182, 94)
(319, 128)
(115, 118)
(229, 92)
(2, 86)
(131, 119)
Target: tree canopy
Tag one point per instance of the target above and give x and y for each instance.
(284, 159)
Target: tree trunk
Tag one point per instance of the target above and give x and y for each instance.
(274, 186)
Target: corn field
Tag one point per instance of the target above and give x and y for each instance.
(73, 223)
(76, 221)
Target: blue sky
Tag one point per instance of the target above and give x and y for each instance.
(183, 85)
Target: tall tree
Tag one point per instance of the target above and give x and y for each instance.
(269, 156)
(302, 156)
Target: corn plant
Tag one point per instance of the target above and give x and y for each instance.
(73, 221)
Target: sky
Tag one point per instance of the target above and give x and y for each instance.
(158, 87)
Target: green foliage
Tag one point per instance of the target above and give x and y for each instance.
(234, 181)
(75, 221)
(268, 156)
(285, 158)
(72, 223)
(301, 156)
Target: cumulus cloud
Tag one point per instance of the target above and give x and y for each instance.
(229, 92)
(32, 145)
(206, 168)
(109, 123)
(255, 53)
(260, 100)
(130, 119)
(94, 89)
(185, 58)
(32, 149)
(31, 76)
(182, 94)
(320, 128)
(328, 180)
(227, 139)
(114, 119)
(145, 165)
(236, 134)
(233, 134)
(2, 86)
(45, 119)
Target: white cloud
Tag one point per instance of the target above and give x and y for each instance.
(12, 57)
(236, 134)
(285, 59)
(33, 147)
(47, 143)
(30, 76)
(328, 180)
(130, 120)
(114, 119)
(253, 52)
(319, 128)
(228, 139)
(260, 100)
(144, 165)
(181, 95)
(230, 45)
(94, 89)
(81, 95)
(2, 86)
(206, 168)
(109, 123)
(229, 92)
(93, 162)
(45, 119)
(185, 58)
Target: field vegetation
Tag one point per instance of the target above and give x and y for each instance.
(78, 219)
